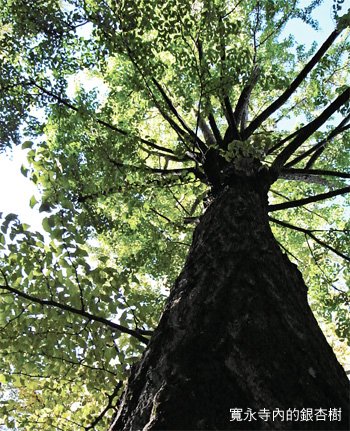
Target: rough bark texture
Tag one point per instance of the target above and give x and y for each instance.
(237, 331)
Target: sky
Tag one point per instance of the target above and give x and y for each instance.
(16, 190)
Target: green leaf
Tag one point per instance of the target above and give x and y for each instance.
(33, 202)
(46, 225)
(24, 171)
(27, 144)
(45, 207)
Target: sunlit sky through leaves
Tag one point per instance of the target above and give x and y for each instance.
(16, 190)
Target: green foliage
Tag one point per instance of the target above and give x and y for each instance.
(42, 342)
(107, 98)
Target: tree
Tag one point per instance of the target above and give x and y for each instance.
(186, 126)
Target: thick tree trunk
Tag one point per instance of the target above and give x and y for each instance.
(237, 332)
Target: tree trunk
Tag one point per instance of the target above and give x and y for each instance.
(237, 332)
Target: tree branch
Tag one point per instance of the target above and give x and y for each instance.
(318, 152)
(209, 137)
(315, 172)
(241, 110)
(69, 105)
(282, 142)
(307, 131)
(173, 109)
(287, 251)
(304, 201)
(108, 406)
(162, 216)
(81, 198)
(293, 86)
(179, 159)
(232, 130)
(85, 314)
(202, 66)
(215, 129)
(313, 179)
(158, 171)
(182, 133)
(336, 131)
(303, 208)
(321, 145)
(311, 235)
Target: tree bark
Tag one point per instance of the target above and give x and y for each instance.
(237, 332)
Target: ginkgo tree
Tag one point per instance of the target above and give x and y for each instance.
(165, 138)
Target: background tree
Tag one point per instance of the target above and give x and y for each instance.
(185, 123)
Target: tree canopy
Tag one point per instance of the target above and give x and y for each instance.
(133, 115)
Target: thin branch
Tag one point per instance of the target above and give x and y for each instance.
(336, 131)
(69, 105)
(2, 328)
(85, 314)
(179, 159)
(278, 25)
(287, 251)
(255, 31)
(79, 363)
(311, 235)
(172, 108)
(307, 131)
(158, 171)
(232, 10)
(319, 267)
(293, 86)
(108, 406)
(303, 208)
(179, 204)
(162, 216)
(288, 110)
(182, 134)
(282, 142)
(304, 201)
(318, 152)
(168, 181)
(315, 172)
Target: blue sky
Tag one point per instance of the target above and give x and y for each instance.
(16, 190)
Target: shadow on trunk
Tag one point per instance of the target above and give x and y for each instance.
(237, 332)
